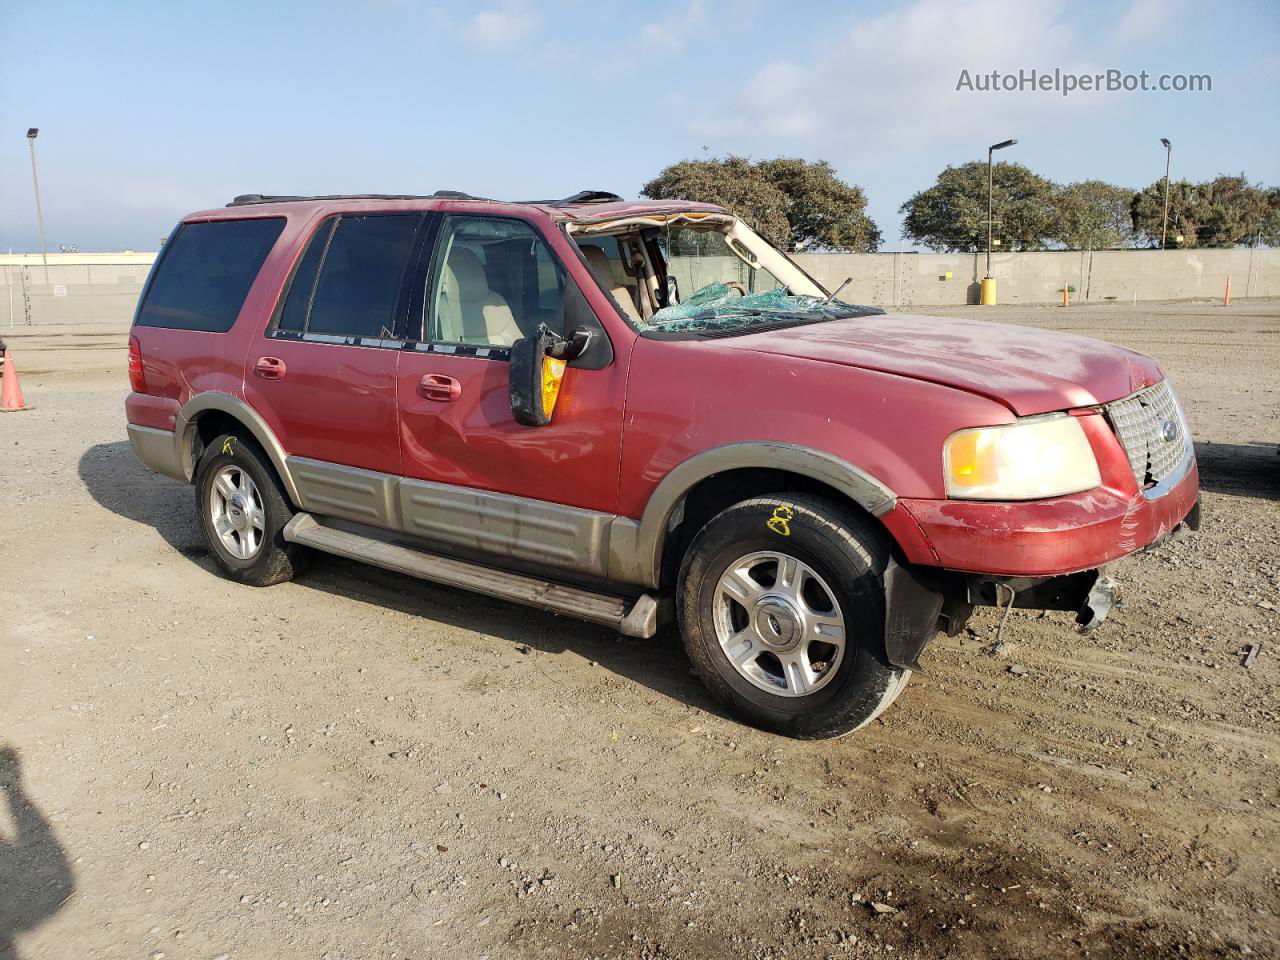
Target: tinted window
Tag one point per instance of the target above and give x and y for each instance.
(495, 281)
(205, 273)
(360, 280)
(303, 284)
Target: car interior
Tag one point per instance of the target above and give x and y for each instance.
(496, 280)
(647, 269)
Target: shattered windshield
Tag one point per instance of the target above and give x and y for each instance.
(719, 309)
(717, 287)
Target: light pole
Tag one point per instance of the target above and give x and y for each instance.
(987, 289)
(990, 190)
(1168, 161)
(32, 133)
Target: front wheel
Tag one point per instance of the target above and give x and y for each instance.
(781, 605)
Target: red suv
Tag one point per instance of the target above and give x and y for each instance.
(625, 411)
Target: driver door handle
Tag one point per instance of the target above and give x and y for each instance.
(436, 386)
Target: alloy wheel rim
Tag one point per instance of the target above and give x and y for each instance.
(236, 513)
(779, 624)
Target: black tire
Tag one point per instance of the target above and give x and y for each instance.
(275, 559)
(848, 554)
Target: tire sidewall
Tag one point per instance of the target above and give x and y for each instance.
(853, 570)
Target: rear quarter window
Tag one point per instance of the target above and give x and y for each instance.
(205, 273)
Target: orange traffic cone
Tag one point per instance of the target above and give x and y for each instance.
(10, 390)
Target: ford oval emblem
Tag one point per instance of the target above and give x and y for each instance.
(1169, 430)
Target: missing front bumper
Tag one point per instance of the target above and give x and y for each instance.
(1090, 594)
(920, 603)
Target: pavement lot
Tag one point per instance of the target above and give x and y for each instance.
(358, 764)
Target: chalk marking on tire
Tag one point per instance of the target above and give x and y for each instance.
(780, 522)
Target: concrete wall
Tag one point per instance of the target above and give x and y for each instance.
(104, 287)
(74, 288)
(929, 279)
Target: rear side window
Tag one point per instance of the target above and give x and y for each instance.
(205, 273)
(294, 315)
(351, 278)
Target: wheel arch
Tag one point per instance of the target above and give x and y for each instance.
(212, 412)
(643, 551)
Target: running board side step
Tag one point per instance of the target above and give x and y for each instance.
(639, 619)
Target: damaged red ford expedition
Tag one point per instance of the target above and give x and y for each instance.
(632, 411)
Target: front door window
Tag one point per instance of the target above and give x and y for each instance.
(494, 282)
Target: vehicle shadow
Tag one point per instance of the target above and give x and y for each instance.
(1243, 469)
(658, 663)
(116, 480)
(35, 876)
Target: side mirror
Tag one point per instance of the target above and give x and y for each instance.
(537, 368)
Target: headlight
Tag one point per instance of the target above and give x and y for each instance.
(1040, 457)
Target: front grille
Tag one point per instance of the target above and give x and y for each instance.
(1152, 432)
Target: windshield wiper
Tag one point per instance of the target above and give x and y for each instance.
(836, 292)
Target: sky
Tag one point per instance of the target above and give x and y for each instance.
(148, 111)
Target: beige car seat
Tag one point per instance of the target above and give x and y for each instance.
(468, 311)
(598, 261)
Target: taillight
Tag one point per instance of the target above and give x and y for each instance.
(137, 379)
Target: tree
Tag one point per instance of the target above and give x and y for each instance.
(824, 211)
(952, 214)
(1270, 233)
(1093, 215)
(1235, 211)
(1147, 213)
(1223, 212)
(794, 204)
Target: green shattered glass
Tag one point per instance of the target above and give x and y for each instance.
(718, 306)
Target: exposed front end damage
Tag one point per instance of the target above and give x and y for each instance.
(1090, 594)
(922, 601)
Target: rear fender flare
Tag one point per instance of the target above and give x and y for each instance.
(185, 434)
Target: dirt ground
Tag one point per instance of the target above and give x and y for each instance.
(358, 764)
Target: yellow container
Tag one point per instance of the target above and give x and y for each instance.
(988, 294)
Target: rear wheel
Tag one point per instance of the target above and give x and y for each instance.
(243, 512)
(781, 604)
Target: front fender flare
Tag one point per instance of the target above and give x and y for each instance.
(635, 547)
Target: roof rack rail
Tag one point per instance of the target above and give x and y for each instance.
(582, 196)
(586, 196)
(247, 199)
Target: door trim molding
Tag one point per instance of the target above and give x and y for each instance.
(502, 524)
(350, 493)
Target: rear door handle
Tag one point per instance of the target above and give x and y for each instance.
(436, 386)
(269, 368)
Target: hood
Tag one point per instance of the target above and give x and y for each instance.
(1028, 370)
